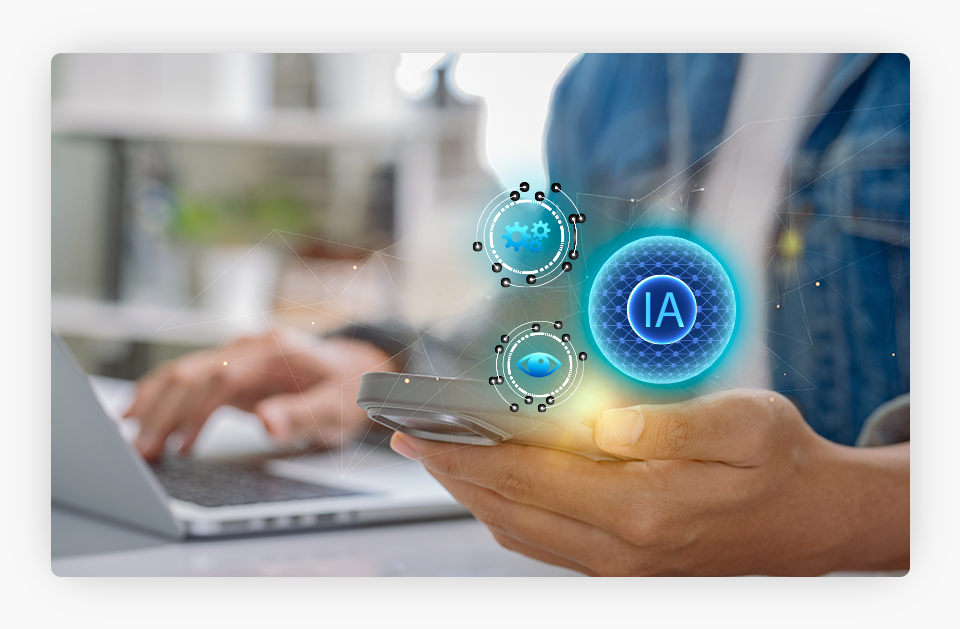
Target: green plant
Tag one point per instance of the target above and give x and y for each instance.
(247, 218)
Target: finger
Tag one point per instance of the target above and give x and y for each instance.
(147, 390)
(197, 408)
(315, 411)
(556, 481)
(511, 543)
(731, 427)
(189, 383)
(156, 423)
(554, 534)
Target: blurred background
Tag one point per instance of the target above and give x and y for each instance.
(196, 198)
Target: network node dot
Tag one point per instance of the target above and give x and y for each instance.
(524, 186)
(551, 400)
(535, 327)
(555, 187)
(582, 356)
(515, 196)
(566, 266)
(478, 246)
(557, 325)
(497, 267)
(504, 338)
(531, 279)
(565, 338)
(514, 408)
(539, 196)
(505, 282)
(498, 349)
(542, 408)
(574, 254)
(528, 399)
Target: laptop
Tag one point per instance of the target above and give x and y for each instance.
(96, 471)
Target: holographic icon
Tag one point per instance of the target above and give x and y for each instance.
(549, 371)
(516, 236)
(529, 238)
(540, 230)
(662, 309)
(538, 364)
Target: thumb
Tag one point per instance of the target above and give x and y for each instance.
(728, 427)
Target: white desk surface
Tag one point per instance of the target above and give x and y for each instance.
(83, 546)
(87, 546)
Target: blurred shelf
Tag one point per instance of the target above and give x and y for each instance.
(137, 322)
(279, 128)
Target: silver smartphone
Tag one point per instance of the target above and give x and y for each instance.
(462, 410)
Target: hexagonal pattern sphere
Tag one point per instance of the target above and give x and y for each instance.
(680, 360)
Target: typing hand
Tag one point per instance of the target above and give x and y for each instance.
(300, 387)
(732, 483)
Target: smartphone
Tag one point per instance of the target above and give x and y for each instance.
(467, 411)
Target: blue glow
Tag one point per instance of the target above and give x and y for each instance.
(662, 355)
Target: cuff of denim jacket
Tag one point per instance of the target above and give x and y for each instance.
(887, 425)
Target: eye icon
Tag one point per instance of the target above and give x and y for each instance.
(538, 364)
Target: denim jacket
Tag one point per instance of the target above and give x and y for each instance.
(839, 341)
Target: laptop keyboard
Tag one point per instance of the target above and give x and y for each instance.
(212, 484)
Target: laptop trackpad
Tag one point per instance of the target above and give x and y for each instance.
(219, 484)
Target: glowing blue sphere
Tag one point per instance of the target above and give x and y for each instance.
(662, 309)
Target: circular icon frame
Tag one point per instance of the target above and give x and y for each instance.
(494, 223)
(693, 353)
(517, 339)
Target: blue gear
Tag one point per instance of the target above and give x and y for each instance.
(533, 245)
(514, 229)
(540, 230)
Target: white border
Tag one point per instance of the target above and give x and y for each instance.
(924, 598)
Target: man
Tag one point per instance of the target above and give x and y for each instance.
(737, 481)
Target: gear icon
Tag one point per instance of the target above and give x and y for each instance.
(540, 230)
(533, 244)
(516, 236)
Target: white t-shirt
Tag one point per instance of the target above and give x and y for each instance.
(738, 211)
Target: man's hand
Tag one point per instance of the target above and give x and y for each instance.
(732, 483)
(300, 386)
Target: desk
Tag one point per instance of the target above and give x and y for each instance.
(84, 546)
